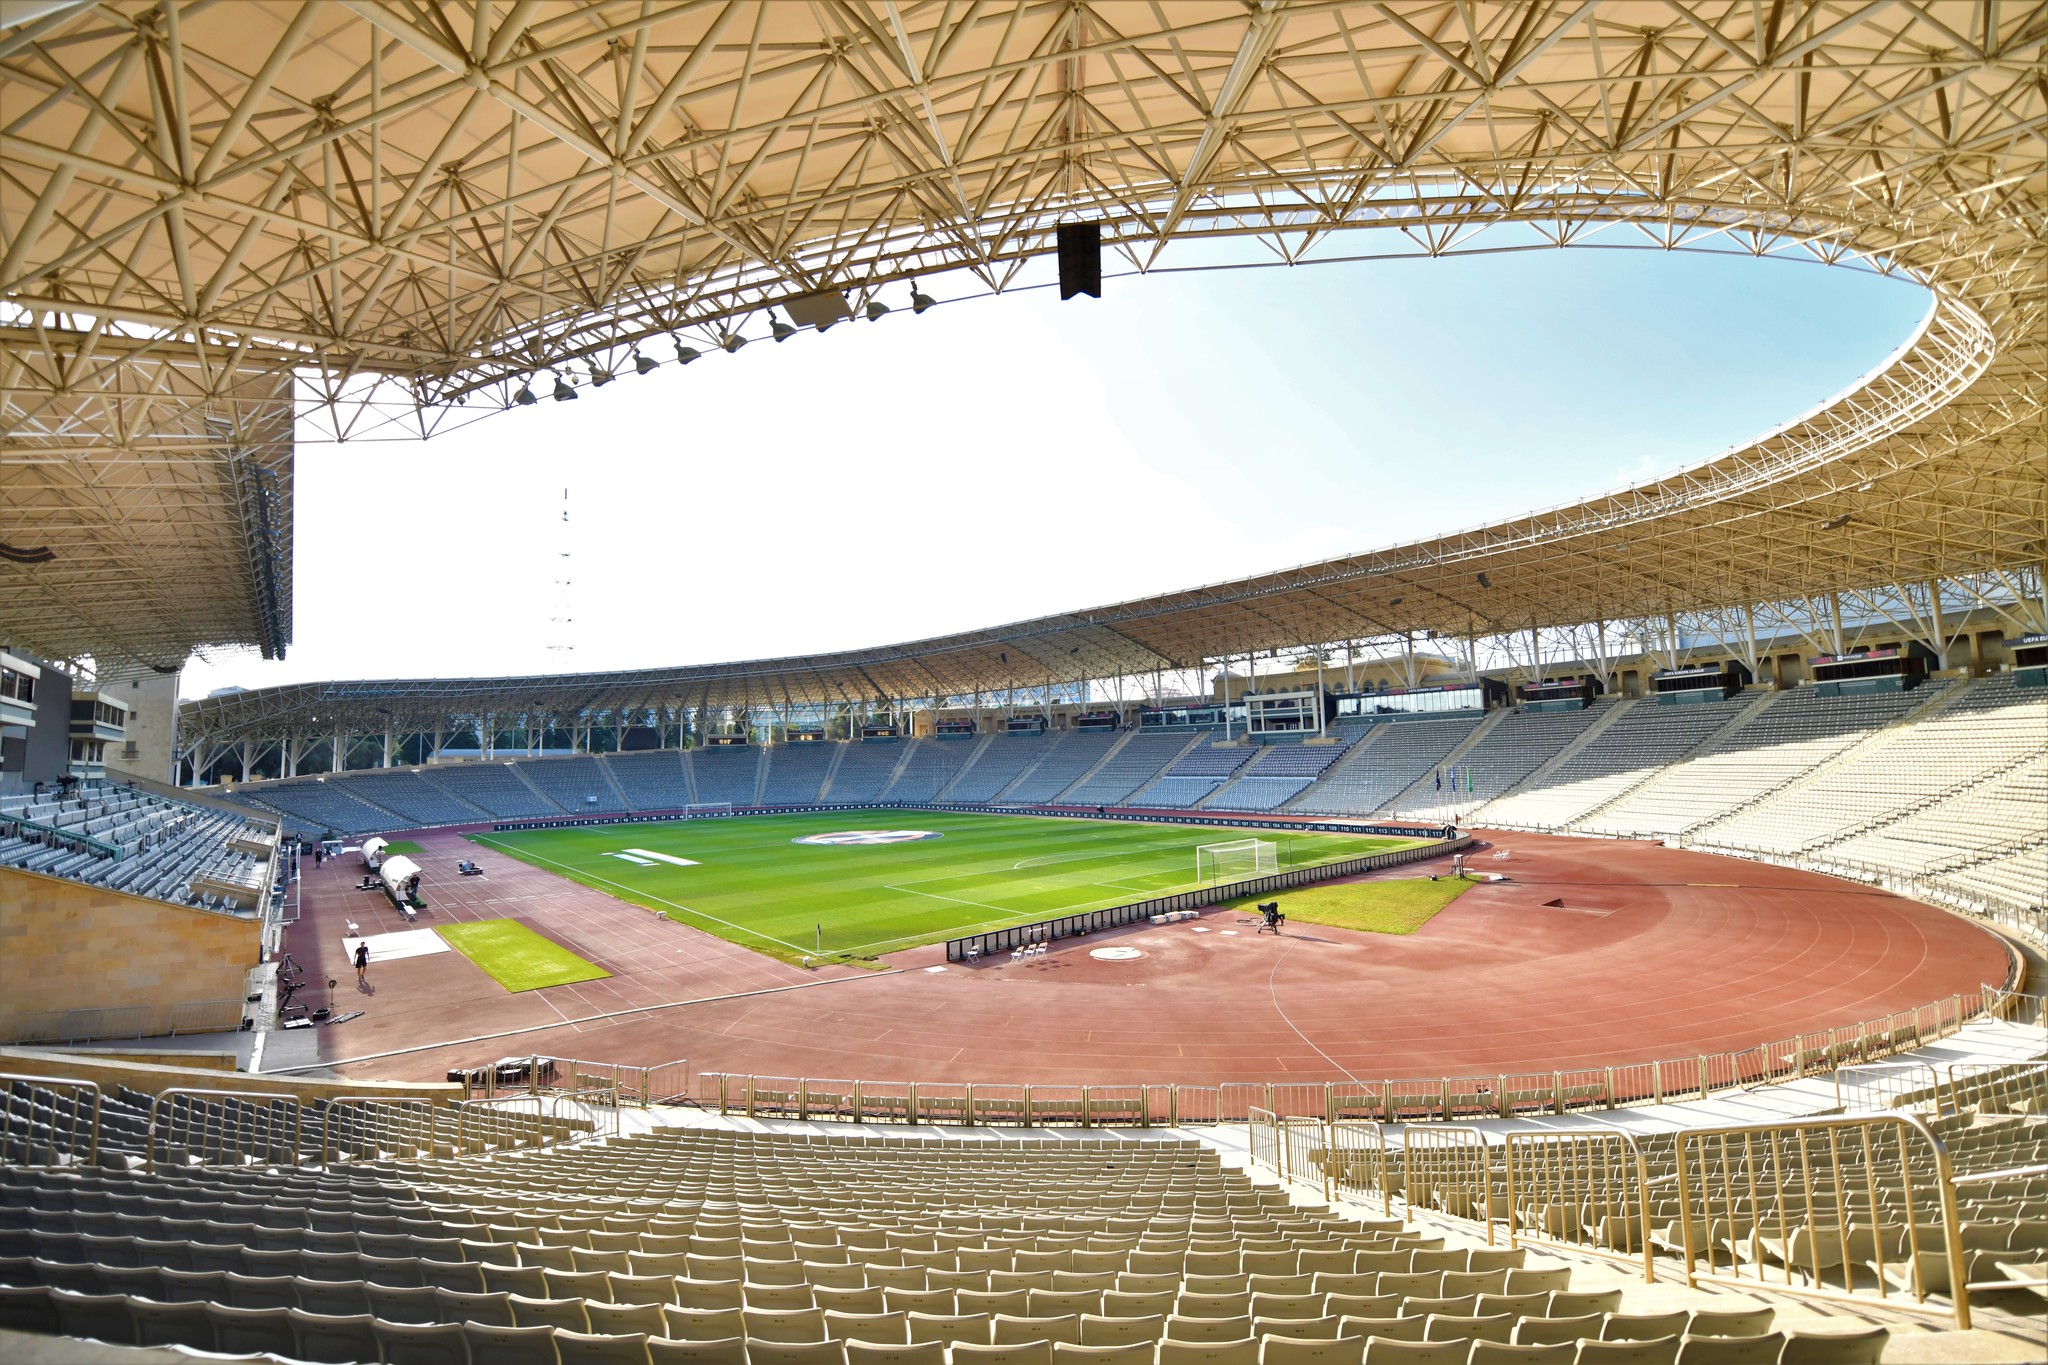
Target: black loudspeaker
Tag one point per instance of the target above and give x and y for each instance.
(1080, 260)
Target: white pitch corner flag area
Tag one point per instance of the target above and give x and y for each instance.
(1235, 860)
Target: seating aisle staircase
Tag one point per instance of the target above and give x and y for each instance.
(1609, 713)
(1652, 777)
(981, 744)
(1450, 760)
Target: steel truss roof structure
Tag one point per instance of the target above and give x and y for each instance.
(418, 202)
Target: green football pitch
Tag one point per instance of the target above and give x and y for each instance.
(748, 880)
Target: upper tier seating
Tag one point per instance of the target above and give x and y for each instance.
(1280, 772)
(132, 841)
(930, 766)
(1195, 774)
(1991, 727)
(575, 784)
(1140, 760)
(726, 774)
(864, 770)
(1519, 744)
(412, 796)
(652, 779)
(492, 786)
(1003, 759)
(796, 773)
(1386, 759)
(1799, 730)
(1640, 742)
(325, 805)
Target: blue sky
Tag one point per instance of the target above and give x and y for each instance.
(999, 458)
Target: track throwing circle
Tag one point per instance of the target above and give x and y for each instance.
(1116, 954)
(856, 837)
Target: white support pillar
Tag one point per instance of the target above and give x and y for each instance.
(244, 747)
(387, 744)
(1935, 621)
(1837, 645)
(334, 752)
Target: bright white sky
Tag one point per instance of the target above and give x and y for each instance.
(1002, 458)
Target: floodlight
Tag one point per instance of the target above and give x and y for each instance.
(524, 397)
(686, 354)
(919, 301)
(877, 310)
(1484, 582)
(730, 342)
(565, 392)
(599, 378)
(643, 365)
(1835, 523)
(782, 330)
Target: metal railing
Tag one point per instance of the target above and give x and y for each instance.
(1360, 1162)
(191, 1127)
(370, 1128)
(1588, 1191)
(61, 1127)
(973, 946)
(1416, 1100)
(660, 1083)
(1450, 1170)
(1849, 1207)
(1921, 1088)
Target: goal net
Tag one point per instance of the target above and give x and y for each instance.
(1236, 860)
(708, 808)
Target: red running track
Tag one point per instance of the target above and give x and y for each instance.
(1653, 953)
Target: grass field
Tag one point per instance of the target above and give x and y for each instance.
(748, 882)
(402, 846)
(516, 957)
(1391, 907)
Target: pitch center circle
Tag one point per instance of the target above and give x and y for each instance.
(858, 837)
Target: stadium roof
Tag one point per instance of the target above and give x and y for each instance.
(414, 204)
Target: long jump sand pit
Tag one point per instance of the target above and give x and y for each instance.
(1646, 953)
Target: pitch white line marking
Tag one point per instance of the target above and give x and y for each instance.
(635, 891)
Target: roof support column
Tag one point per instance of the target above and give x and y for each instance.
(334, 751)
(1749, 637)
(244, 747)
(1835, 622)
(1940, 627)
(387, 744)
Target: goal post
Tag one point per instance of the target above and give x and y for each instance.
(708, 808)
(1236, 859)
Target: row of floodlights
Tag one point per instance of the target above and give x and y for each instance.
(728, 342)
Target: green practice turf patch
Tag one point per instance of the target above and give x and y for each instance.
(1392, 907)
(516, 957)
(402, 846)
(748, 882)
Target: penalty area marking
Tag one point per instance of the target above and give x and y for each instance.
(671, 859)
(634, 891)
(630, 858)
